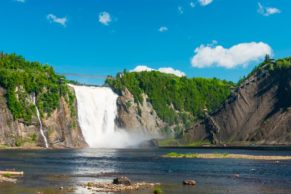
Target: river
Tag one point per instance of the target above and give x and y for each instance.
(47, 170)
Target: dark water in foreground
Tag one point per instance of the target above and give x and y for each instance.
(47, 170)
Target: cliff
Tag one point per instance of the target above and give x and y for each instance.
(136, 117)
(29, 93)
(163, 105)
(60, 128)
(257, 112)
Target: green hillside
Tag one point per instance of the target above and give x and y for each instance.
(22, 78)
(175, 99)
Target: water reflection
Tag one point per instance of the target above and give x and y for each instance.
(53, 168)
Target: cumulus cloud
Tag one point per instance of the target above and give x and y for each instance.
(180, 10)
(267, 11)
(104, 18)
(141, 68)
(205, 2)
(167, 70)
(238, 55)
(170, 70)
(54, 19)
(192, 4)
(20, 1)
(163, 29)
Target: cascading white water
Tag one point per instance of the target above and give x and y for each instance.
(97, 110)
(40, 122)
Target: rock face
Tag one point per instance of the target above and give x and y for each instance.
(60, 128)
(138, 117)
(258, 112)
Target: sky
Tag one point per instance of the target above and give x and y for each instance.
(193, 38)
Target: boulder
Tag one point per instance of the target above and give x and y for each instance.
(7, 179)
(122, 181)
(189, 182)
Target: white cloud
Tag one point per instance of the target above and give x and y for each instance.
(267, 11)
(167, 70)
(104, 18)
(238, 55)
(141, 68)
(163, 29)
(54, 19)
(20, 1)
(180, 10)
(205, 2)
(192, 4)
(170, 70)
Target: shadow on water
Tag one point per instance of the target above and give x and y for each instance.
(47, 170)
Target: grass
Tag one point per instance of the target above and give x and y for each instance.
(224, 156)
(158, 191)
(2, 146)
(197, 143)
(176, 143)
(7, 175)
(168, 142)
(195, 155)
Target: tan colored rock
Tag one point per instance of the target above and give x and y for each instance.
(60, 128)
(258, 112)
(189, 182)
(110, 187)
(137, 117)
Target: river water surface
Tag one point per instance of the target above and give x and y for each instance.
(47, 170)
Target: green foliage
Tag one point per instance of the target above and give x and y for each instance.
(18, 142)
(2, 146)
(128, 104)
(33, 137)
(22, 78)
(172, 142)
(198, 155)
(168, 142)
(7, 175)
(158, 191)
(269, 65)
(175, 99)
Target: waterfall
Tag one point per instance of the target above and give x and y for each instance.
(97, 111)
(40, 122)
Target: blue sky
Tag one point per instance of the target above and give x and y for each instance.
(106, 36)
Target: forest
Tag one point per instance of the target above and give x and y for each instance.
(21, 79)
(174, 98)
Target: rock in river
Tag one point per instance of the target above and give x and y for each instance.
(122, 181)
(189, 182)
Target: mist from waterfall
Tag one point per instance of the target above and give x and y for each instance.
(97, 111)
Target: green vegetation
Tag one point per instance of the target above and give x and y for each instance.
(158, 191)
(168, 142)
(7, 175)
(269, 65)
(22, 142)
(22, 78)
(18, 142)
(172, 142)
(224, 156)
(33, 137)
(3, 146)
(90, 184)
(196, 155)
(175, 99)
(198, 143)
(177, 155)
